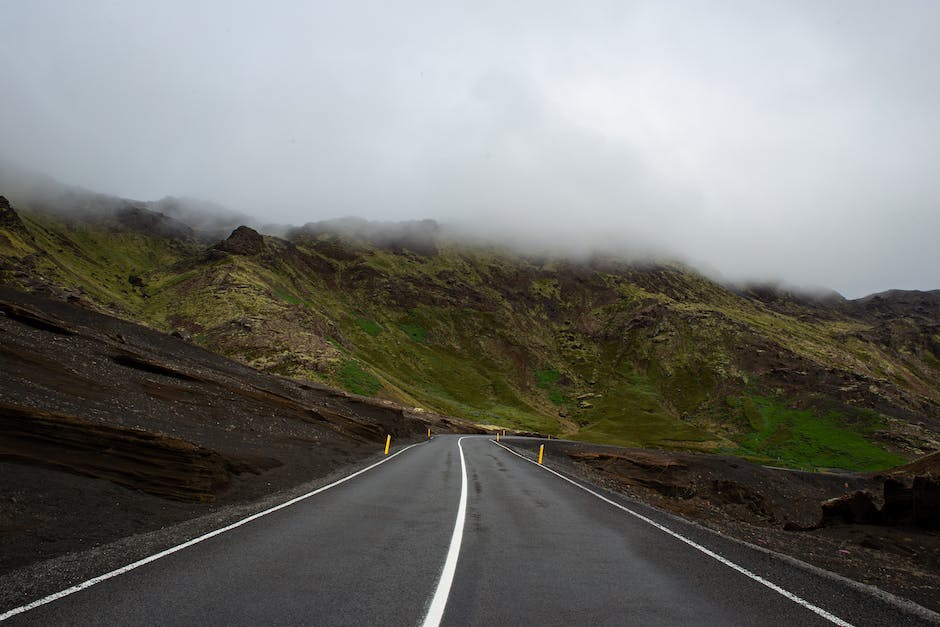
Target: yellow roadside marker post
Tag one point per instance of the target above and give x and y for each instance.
(497, 436)
(541, 451)
(388, 443)
(429, 433)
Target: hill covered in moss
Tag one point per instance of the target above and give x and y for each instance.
(602, 349)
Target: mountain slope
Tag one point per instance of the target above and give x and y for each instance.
(600, 349)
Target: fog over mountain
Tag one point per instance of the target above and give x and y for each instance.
(790, 140)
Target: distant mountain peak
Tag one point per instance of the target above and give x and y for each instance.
(243, 241)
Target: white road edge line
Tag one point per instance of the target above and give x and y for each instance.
(813, 608)
(180, 547)
(439, 602)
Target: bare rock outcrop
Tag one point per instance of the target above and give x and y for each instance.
(243, 241)
(856, 508)
(9, 219)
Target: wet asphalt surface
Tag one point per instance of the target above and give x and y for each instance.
(536, 550)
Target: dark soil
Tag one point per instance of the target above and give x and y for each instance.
(777, 509)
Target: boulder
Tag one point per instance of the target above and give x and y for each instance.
(926, 502)
(857, 508)
(183, 334)
(899, 501)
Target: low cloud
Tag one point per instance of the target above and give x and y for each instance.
(793, 141)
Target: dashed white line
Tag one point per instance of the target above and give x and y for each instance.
(180, 547)
(439, 602)
(813, 608)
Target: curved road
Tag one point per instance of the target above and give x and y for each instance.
(531, 547)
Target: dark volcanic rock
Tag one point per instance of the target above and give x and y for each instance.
(857, 508)
(899, 501)
(926, 502)
(243, 241)
(911, 499)
(7, 215)
(9, 219)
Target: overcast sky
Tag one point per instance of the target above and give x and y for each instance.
(791, 140)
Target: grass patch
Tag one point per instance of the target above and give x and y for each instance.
(335, 343)
(287, 297)
(357, 380)
(369, 326)
(752, 413)
(418, 334)
(809, 440)
(546, 378)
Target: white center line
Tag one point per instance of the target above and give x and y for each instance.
(439, 602)
(179, 547)
(818, 610)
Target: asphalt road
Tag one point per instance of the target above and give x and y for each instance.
(534, 549)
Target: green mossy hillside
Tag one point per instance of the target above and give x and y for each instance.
(603, 350)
